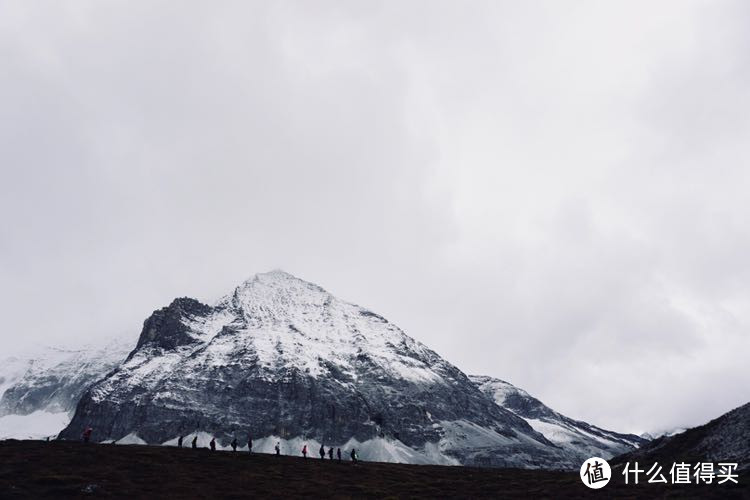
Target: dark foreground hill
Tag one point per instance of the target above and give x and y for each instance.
(724, 439)
(35, 469)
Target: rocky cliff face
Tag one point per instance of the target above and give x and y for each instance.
(280, 358)
(578, 438)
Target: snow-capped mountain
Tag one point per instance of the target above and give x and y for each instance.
(578, 438)
(39, 392)
(283, 360)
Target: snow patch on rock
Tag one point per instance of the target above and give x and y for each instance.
(131, 438)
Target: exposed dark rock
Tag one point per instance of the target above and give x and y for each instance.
(165, 328)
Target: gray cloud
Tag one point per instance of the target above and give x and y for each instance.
(549, 193)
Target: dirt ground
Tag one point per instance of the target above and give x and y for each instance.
(58, 469)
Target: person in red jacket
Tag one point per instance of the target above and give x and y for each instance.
(304, 451)
(87, 434)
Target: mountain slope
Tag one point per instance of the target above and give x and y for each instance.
(724, 439)
(282, 359)
(579, 438)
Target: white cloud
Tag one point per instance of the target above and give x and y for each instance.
(549, 193)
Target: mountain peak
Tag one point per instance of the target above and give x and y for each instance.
(278, 278)
(274, 275)
(277, 274)
(276, 293)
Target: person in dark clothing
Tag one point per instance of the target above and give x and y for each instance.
(195, 442)
(278, 449)
(338, 453)
(330, 453)
(304, 451)
(86, 436)
(234, 444)
(213, 444)
(179, 442)
(353, 454)
(322, 452)
(249, 445)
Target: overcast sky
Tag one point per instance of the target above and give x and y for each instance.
(552, 193)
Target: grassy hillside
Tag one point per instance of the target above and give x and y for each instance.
(34, 469)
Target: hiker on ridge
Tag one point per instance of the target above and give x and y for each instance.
(234, 444)
(338, 453)
(179, 442)
(353, 454)
(322, 452)
(304, 451)
(195, 441)
(278, 449)
(330, 453)
(86, 436)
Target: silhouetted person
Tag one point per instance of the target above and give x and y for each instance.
(195, 442)
(330, 453)
(179, 442)
(249, 445)
(353, 454)
(338, 453)
(86, 436)
(234, 444)
(322, 452)
(304, 451)
(278, 449)
(212, 444)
